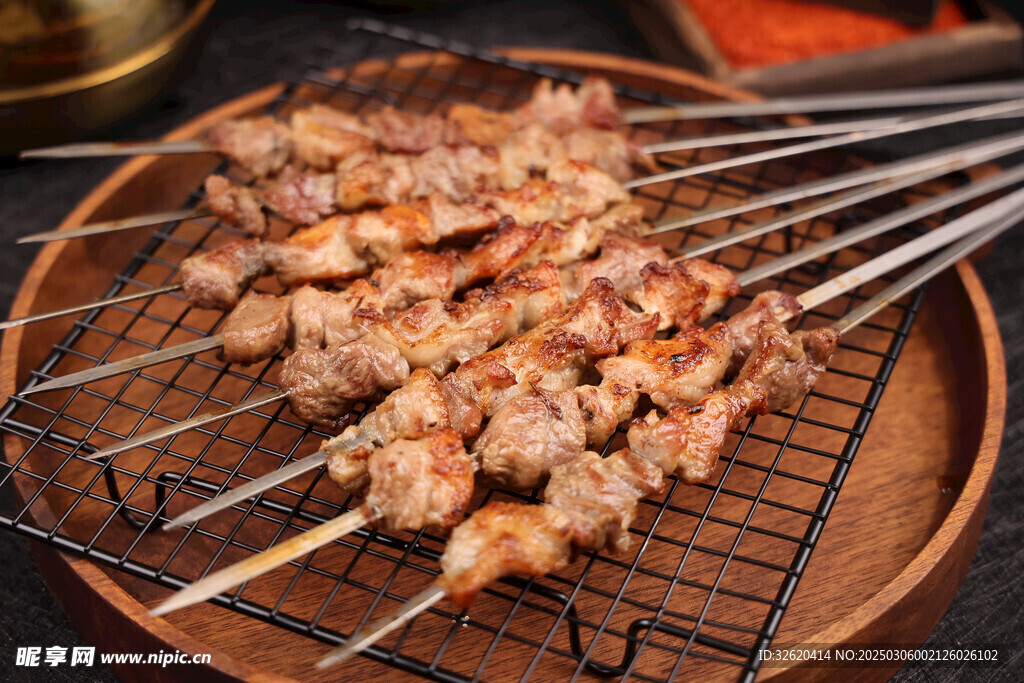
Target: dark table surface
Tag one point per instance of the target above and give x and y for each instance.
(246, 49)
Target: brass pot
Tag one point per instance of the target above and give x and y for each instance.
(74, 67)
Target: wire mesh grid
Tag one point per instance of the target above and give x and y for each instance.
(712, 567)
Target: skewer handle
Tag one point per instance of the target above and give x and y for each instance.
(191, 423)
(950, 158)
(905, 253)
(253, 488)
(117, 149)
(887, 99)
(883, 224)
(357, 643)
(128, 364)
(925, 272)
(81, 308)
(115, 225)
(274, 557)
(906, 126)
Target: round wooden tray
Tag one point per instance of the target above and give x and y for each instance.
(894, 552)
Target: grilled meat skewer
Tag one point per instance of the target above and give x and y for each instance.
(346, 246)
(368, 178)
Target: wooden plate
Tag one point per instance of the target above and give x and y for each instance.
(894, 552)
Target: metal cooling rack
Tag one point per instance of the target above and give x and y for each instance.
(713, 569)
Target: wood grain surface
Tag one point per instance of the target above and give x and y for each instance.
(891, 558)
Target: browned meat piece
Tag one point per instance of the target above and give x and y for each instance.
(608, 151)
(564, 245)
(454, 172)
(689, 440)
(468, 124)
(378, 235)
(571, 190)
(722, 283)
(257, 329)
(321, 253)
(598, 107)
(450, 219)
(347, 467)
(415, 276)
(434, 334)
(404, 132)
(505, 248)
(528, 436)
(307, 318)
(553, 354)
(767, 306)
(783, 367)
(216, 279)
(438, 333)
(562, 110)
(673, 292)
(302, 198)
(604, 407)
(516, 246)
(423, 483)
(501, 539)
(410, 412)
(262, 145)
(465, 415)
(521, 299)
(319, 319)
(368, 178)
(528, 152)
(236, 205)
(600, 496)
(324, 136)
(621, 260)
(673, 371)
(625, 219)
(321, 384)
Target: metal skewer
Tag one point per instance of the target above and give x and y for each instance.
(787, 133)
(106, 149)
(814, 297)
(958, 156)
(910, 125)
(115, 225)
(195, 422)
(432, 595)
(280, 554)
(885, 99)
(416, 605)
(81, 308)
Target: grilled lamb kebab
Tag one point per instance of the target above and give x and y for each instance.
(435, 334)
(347, 246)
(368, 178)
(541, 429)
(262, 325)
(322, 136)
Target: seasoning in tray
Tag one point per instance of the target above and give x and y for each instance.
(757, 33)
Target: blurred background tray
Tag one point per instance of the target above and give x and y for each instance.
(988, 43)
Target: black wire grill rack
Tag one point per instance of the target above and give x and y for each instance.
(713, 567)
